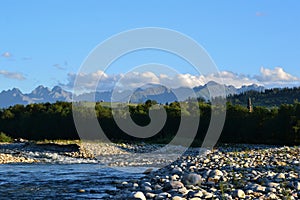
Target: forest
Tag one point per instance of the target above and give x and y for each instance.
(273, 97)
(277, 125)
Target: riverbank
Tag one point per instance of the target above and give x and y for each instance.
(225, 172)
(109, 154)
(31, 152)
(230, 172)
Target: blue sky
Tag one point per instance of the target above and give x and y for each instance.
(45, 42)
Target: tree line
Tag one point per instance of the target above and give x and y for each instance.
(273, 97)
(278, 125)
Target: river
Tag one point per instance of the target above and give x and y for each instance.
(59, 181)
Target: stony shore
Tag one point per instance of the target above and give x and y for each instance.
(7, 158)
(240, 172)
(226, 172)
(32, 152)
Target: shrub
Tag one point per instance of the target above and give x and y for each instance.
(5, 138)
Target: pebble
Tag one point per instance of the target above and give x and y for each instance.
(239, 194)
(192, 179)
(237, 172)
(139, 196)
(173, 185)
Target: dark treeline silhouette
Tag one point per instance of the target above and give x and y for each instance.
(269, 98)
(280, 125)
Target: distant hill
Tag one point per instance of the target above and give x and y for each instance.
(269, 98)
(159, 93)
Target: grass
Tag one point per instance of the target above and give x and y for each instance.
(5, 138)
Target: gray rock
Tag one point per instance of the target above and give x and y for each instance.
(150, 195)
(208, 195)
(260, 188)
(175, 177)
(270, 189)
(280, 176)
(216, 172)
(176, 198)
(138, 196)
(173, 185)
(146, 184)
(249, 192)
(158, 187)
(273, 185)
(163, 195)
(198, 194)
(176, 170)
(183, 190)
(192, 179)
(239, 194)
(271, 195)
(146, 188)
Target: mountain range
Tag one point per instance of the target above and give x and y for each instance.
(159, 93)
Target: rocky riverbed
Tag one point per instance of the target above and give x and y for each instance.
(229, 172)
(112, 155)
(30, 152)
(225, 172)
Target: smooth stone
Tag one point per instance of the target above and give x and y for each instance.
(173, 185)
(150, 195)
(239, 194)
(176, 170)
(175, 177)
(271, 196)
(163, 195)
(260, 188)
(208, 195)
(146, 184)
(216, 172)
(192, 179)
(249, 192)
(280, 176)
(176, 198)
(139, 196)
(158, 187)
(270, 189)
(273, 185)
(182, 190)
(198, 194)
(147, 188)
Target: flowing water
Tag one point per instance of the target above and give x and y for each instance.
(59, 181)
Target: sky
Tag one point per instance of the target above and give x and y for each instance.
(46, 42)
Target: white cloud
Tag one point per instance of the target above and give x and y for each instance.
(133, 80)
(275, 75)
(12, 75)
(6, 54)
(230, 78)
(88, 81)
